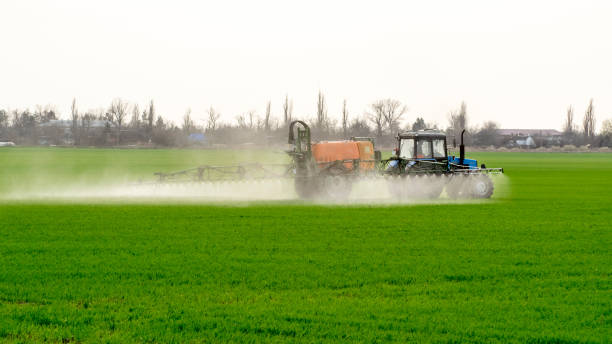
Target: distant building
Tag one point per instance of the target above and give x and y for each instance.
(529, 138)
(529, 142)
(197, 138)
(67, 123)
(59, 131)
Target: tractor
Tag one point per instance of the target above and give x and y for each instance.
(422, 168)
(419, 168)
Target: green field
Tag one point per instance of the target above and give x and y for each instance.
(532, 265)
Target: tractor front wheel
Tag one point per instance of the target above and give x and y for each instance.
(481, 186)
(469, 186)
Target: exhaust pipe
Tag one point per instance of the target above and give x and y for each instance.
(461, 149)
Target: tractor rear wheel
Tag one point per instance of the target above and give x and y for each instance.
(306, 188)
(326, 187)
(335, 183)
(336, 187)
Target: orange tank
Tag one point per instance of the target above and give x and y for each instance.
(329, 151)
(366, 152)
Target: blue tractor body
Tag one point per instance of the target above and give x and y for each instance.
(452, 160)
(424, 168)
(470, 163)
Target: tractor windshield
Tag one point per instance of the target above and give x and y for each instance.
(438, 148)
(423, 149)
(407, 148)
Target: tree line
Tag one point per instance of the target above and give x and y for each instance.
(576, 131)
(124, 123)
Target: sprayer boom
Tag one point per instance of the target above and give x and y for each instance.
(208, 173)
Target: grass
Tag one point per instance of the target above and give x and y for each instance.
(533, 266)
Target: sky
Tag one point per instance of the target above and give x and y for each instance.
(518, 63)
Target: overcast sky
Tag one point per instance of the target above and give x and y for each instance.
(519, 63)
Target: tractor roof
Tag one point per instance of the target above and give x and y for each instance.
(427, 133)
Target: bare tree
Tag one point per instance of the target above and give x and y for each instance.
(99, 114)
(39, 113)
(144, 118)
(160, 124)
(287, 110)
(86, 125)
(568, 126)
(212, 122)
(118, 111)
(135, 121)
(74, 114)
(376, 117)
(248, 120)
(393, 110)
(386, 113)
(606, 128)
(458, 120)
(242, 121)
(267, 117)
(345, 120)
(322, 122)
(150, 116)
(251, 119)
(188, 125)
(359, 127)
(43, 114)
(4, 119)
(487, 135)
(588, 123)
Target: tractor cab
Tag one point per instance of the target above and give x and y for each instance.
(422, 145)
(426, 151)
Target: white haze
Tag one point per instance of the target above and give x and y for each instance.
(374, 191)
(520, 63)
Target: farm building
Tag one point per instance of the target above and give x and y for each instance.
(529, 138)
(59, 131)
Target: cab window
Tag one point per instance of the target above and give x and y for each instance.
(407, 148)
(438, 149)
(423, 149)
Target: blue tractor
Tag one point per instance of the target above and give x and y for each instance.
(421, 167)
